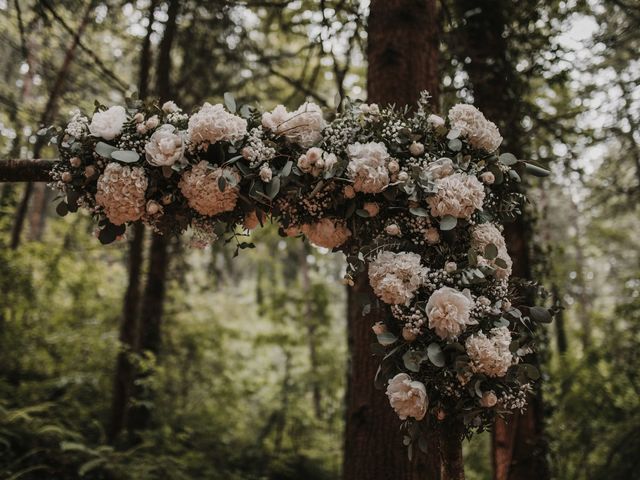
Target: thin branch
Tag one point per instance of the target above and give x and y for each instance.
(26, 170)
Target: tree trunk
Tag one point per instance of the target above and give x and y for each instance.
(47, 117)
(122, 388)
(123, 380)
(153, 298)
(150, 326)
(519, 446)
(311, 324)
(403, 61)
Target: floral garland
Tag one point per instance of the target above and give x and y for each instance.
(418, 199)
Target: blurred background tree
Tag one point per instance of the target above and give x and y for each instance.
(242, 372)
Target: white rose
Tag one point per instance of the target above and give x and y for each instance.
(165, 147)
(408, 398)
(435, 121)
(169, 107)
(449, 312)
(152, 122)
(489, 399)
(450, 267)
(108, 124)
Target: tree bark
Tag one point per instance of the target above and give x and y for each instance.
(519, 446)
(123, 380)
(47, 117)
(26, 170)
(153, 298)
(403, 61)
(124, 374)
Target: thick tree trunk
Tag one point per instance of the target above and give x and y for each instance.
(519, 446)
(153, 298)
(122, 389)
(47, 117)
(149, 337)
(403, 61)
(311, 324)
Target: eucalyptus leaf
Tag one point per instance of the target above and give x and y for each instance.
(455, 145)
(490, 251)
(230, 102)
(386, 338)
(434, 352)
(536, 170)
(125, 156)
(418, 212)
(412, 360)
(508, 159)
(540, 315)
(104, 149)
(273, 187)
(448, 223)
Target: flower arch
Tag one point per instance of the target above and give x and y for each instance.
(417, 199)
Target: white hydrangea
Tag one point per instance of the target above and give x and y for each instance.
(108, 124)
(165, 147)
(407, 397)
(480, 132)
(121, 193)
(458, 195)
(449, 312)
(315, 161)
(440, 168)
(304, 126)
(201, 189)
(490, 354)
(395, 277)
(78, 125)
(368, 166)
(485, 234)
(212, 123)
(328, 232)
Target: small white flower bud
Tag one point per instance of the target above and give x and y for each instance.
(489, 399)
(416, 149)
(393, 166)
(403, 176)
(138, 117)
(379, 328)
(393, 230)
(450, 267)
(408, 334)
(488, 178)
(349, 192)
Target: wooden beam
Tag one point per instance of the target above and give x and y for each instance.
(26, 170)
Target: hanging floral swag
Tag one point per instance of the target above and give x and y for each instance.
(417, 198)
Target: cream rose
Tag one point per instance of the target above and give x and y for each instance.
(165, 147)
(108, 124)
(407, 397)
(449, 312)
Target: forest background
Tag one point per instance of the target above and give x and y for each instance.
(245, 372)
